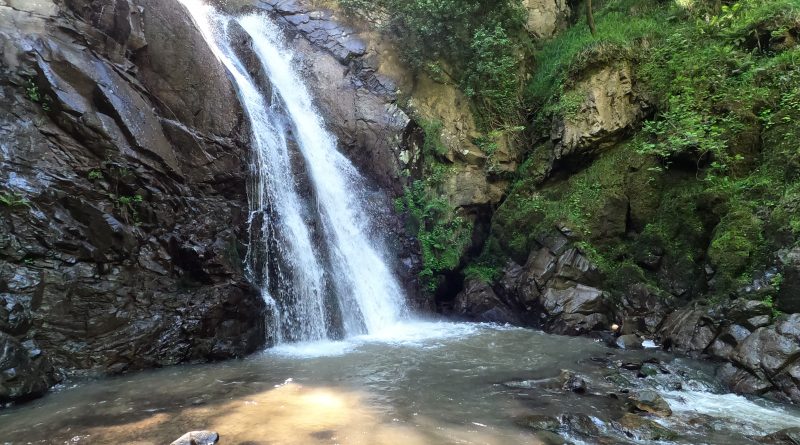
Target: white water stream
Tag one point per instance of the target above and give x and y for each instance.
(314, 257)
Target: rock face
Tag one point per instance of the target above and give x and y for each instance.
(554, 290)
(546, 17)
(609, 106)
(24, 371)
(762, 355)
(122, 176)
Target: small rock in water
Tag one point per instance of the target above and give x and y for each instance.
(631, 366)
(572, 382)
(198, 438)
(539, 422)
(651, 402)
(647, 370)
(630, 341)
(581, 424)
(639, 428)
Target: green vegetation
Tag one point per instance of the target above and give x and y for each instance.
(443, 235)
(12, 200)
(35, 95)
(695, 201)
(711, 179)
(95, 175)
(128, 205)
(477, 44)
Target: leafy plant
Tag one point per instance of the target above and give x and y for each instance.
(12, 200)
(95, 175)
(35, 95)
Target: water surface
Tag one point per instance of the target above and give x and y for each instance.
(417, 383)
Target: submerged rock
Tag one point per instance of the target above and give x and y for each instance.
(581, 423)
(650, 402)
(539, 422)
(639, 428)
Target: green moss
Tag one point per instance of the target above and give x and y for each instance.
(624, 28)
(476, 44)
(736, 241)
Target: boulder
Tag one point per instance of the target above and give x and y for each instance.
(478, 301)
(628, 341)
(688, 330)
(645, 308)
(773, 353)
(572, 382)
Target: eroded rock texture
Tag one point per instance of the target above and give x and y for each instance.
(123, 167)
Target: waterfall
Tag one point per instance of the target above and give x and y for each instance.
(311, 250)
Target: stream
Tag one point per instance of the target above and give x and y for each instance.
(413, 383)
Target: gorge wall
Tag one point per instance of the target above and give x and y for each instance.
(123, 171)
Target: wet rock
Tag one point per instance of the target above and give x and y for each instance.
(581, 424)
(773, 354)
(645, 309)
(25, 372)
(576, 310)
(688, 330)
(650, 402)
(551, 438)
(638, 428)
(725, 343)
(572, 382)
(133, 165)
(648, 370)
(539, 422)
(629, 341)
(789, 436)
(197, 438)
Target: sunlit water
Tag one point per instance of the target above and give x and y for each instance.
(422, 383)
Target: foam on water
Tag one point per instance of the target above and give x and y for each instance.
(413, 334)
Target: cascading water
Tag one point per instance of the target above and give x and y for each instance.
(313, 256)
